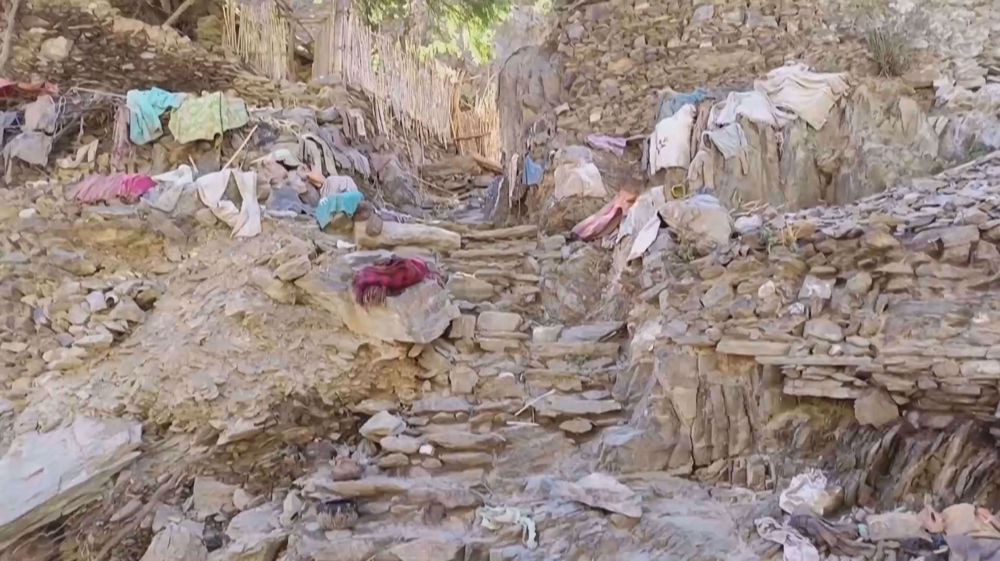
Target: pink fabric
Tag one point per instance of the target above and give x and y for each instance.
(98, 188)
(606, 219)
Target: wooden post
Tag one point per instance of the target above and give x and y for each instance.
(341, 17)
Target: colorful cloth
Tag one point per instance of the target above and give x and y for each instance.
(374, 283)
(145, 108)
(341, 202)
(202, 118)
(606, 219)
(97, 188)
(532, 172)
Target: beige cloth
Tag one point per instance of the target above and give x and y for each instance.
(754, 105)
(244, 221)
(670, 144)
(809, 95)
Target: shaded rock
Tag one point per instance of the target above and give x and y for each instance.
(456, 440)
(381, 425)
(601, 491)
(175, 543)
(294, 269)
(48, 475)
(825, 329)
(876, 408)
(577, 426)
(427, 549)
(498, 321)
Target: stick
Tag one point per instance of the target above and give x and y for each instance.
(242, 146)
(178, 13)
(534, 401)
(8, 34)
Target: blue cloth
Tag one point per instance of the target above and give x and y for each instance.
(532, 172)
(145, 108)
(670, 106)
(341, 202)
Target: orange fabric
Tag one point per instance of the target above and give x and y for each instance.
(606, 219)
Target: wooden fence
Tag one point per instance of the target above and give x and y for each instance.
(410, 95)
(258, 32)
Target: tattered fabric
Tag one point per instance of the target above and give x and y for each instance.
(205, 117)
(145, 108)
(99, 188)
(372, 284)
(606, 219)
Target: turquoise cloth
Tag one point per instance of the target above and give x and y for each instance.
(341, 202)
(145, 108)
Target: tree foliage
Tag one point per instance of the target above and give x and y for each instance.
(452, 25)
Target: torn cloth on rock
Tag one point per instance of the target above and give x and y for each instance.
(102, 188)
(807, 94)
(372, 284)
(532, 172)
(613, 144)
(202, 118)
(753, 105)
(341, 202)
(145, 108)
(606, 219)
(670, 104)
(795, 547)
(496, 517)
(670, 144)
(245, 221)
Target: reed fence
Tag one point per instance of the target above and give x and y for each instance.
(260, 35)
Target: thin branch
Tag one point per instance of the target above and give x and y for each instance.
(178, 13)
(8, 34)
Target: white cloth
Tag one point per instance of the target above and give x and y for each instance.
(730, 140)
(642, 222)
(670, 145)
(493, 518)
(806, 494)
(810, 95)
(170, 186)
(336, 184)
(245, 222)
(754, 105)
(795, 546)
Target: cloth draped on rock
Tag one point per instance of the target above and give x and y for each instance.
(670, 144)
(341, 202)
(98, 188)
(204, 117)
(606, 219)
(809, 95)
(372, 284)
(145, 108)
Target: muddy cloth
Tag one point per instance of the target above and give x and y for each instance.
(372, 284)
(968, 548)
(670, 144)
(102, 188)
(606, 219)
(840, 539)
(341, 202)
(613, 144)
(286, 200)
(809, 95)
(202, 118)
(145, 108)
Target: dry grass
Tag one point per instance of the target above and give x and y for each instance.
(890, 47)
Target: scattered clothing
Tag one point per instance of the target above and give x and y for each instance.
(795, 546)
(85, 153)
(532, 172)
(34, 143)
(346, 203)
(103, 188)
(372, 284)
(643, 222)
(244, 221)
(41, 115)
(730, 140)
(204, 117)
(754, 105)
(809, 95)
(337, 184)
(286, 200)
(318, 154)
(606, 219)
(839, 539)
(170, 188)
(10, 89)
(145, 108)
(671, 103)
(613, 144)
(670, 144)
(7, 120)
(806, 493)
(495, 518)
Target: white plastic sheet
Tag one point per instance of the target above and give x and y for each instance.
(806, 494)
(244, 221)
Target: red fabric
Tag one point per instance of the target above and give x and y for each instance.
(373, 283)
(606, 219)
(10, 89)
(97, 188)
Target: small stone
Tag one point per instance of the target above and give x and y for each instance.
(55, 49)
(825, 329)
(577, 426)
(498, 321)
(394, 460)
(294, 269)
(463, 380)
(400, 443)
(859, 284)
(382, 424)
(546, 333)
